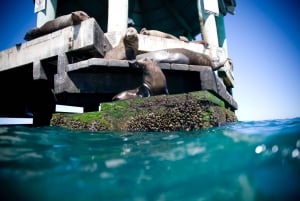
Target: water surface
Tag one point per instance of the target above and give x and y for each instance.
(257, 160)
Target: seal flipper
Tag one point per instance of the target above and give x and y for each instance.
(144, 91)
(32, 34)
(216, 66)
(129, 94)
(133, 64)
(130, 54)
(166, 91)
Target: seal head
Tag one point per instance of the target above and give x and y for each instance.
(127, 48)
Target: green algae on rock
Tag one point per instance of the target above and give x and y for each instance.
(189, 111)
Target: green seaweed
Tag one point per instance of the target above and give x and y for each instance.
(157, 113)
(205, 95)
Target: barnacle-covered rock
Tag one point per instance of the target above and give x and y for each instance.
(191, 111)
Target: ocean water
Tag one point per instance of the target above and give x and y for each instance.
(243, 161)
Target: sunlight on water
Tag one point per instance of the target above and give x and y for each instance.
(243, 161)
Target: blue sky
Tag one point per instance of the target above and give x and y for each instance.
(263, 42)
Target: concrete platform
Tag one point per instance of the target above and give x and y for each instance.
(98, 75)
(66, 67)
(86, 36)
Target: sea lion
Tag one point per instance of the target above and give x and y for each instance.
(157, 33)
(154, 81)
(183, 38)
(183, 56)
(202, 42)
(161, 34)
(139, 92)
(127, 48)
(61, 22)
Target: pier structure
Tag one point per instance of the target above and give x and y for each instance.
(66, 67)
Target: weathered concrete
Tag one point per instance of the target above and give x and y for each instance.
(78, 80)
(86, 36)
(189, 111)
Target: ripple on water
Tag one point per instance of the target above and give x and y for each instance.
(114, 163)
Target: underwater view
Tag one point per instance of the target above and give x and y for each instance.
(245, 161)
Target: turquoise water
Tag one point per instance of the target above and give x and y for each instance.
(257, 160)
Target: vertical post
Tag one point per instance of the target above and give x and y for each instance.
(62, 62)
(38, 71)
(213, 32)
(49, 13)
(207, 11)
(227, 69)
(117, 20)
(117, 15)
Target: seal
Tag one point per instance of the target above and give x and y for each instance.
(157, 33)
(183, 38)
(139, 92)
(161, 34)
(127, 48)
(61, 22)
(183, 56)
(202, 42)
(154, 81)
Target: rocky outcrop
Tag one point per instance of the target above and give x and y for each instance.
(191, 111)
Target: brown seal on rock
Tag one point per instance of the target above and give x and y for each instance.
(154, 81)
(127, 48)
(183, 56)
(61, 22)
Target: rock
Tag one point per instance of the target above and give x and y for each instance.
(191, 111)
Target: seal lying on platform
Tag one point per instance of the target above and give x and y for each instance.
(161, 34)
(157, 33)
(58, 23)
(154, 81)
(127, 48)
(182, 56)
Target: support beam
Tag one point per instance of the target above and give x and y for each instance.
(62, 62)
(117, 15)
(208, 25)
(213, 32)
(117, 20)
(225, 72)
(38, 71)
